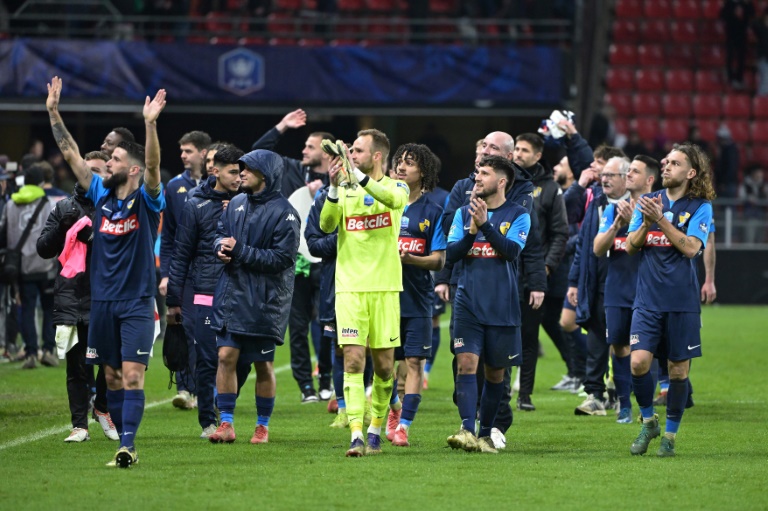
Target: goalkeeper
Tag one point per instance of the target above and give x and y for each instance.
(368, 277)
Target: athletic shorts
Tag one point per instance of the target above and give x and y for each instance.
(500, 346)
(121, 331)
(567, 305)
(371, 319)
(618, 321)
(252, 349)
(416, 334)
(672, 335)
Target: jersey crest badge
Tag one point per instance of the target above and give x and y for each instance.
(368, 200)
(404, 223)
(504, 228)
(423, 225)
(536, 192)
(181, 189)
(669, 216)
(130, 204)
(683, 218)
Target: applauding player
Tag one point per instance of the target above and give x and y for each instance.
(422, 249)
(669, 228)
(368, 279)
(488, 235)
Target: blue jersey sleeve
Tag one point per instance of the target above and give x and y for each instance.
(606, 221)
(636, 221)
(96, 191)
(520, 229)
(712, 229)
(438, 238)
(700, 223)
(156, 204)
(457, 228)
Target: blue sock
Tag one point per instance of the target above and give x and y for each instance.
(368, 373)
(466, 400)
(395, 398)
(226, 404)
(264, 407)
(435, 346)
(338, 378)
(622, 378)
(489, 406)
(410, 406)
(115, 408)
(676, 399)
(643, 387)
(133, 411)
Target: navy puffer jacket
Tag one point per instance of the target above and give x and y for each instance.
(193, 253)
(253, 295)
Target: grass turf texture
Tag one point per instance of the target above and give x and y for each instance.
(553, 460)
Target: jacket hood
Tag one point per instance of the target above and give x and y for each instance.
(27, 194)
(269, 164)
(206, 190)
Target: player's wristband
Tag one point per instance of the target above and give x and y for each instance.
(361, 178)
(333, 193)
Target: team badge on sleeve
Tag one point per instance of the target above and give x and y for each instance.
(523, 235)
(703, 227)
(683, 218)
(504, 228)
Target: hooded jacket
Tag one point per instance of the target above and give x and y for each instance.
(550, 210)
(193, 253)
(253, 294)
(16, 215)
(324, 246)
(71, 296)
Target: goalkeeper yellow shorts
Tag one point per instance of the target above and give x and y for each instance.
(373, 317)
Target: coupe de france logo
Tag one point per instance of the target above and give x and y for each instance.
(241, 72)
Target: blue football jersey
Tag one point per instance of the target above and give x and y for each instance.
(621, 277)
(420, 234)
(124, 234)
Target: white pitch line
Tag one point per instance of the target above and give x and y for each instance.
(39, 435)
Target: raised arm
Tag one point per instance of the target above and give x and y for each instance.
(152, 111)
(64, 140)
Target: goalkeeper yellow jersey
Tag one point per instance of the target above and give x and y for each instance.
(368, 219)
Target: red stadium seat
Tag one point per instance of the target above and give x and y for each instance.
(760, 154)
(281, 24)
(223, 40)
(622, 55)
(649, 80)
(711, 56)
(657, 9)
(737, 105)
(709, 81)
(760, 107)
(215, 22)
(622, 103)
(679, 80)
(684, 32)
(646, 104)
(651, 55)
(625, 31)
(681, 56)
(622, 125)
(286, 5)
(646, 127)
(708, 129)
(282, 41)
(675, 130)
(656, 31)
(710, 9)
(740, 131)
(629, 9)
(677, 105)
(309, 42)
(707, 105)
(620, 80)
(382, 5)
(251, 41)
(687, 9)
(445, 7)
(712, 32)
(350, 5)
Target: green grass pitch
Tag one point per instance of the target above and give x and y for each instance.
(553, 460)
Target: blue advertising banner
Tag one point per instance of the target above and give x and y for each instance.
(402, 75)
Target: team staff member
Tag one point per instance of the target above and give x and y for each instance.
(193, 147)
(127, 215)
(72, 306)
(422, 249)
(488, 235)
(194, 259)
(368, 279)
(257, 239)
(669, 228)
